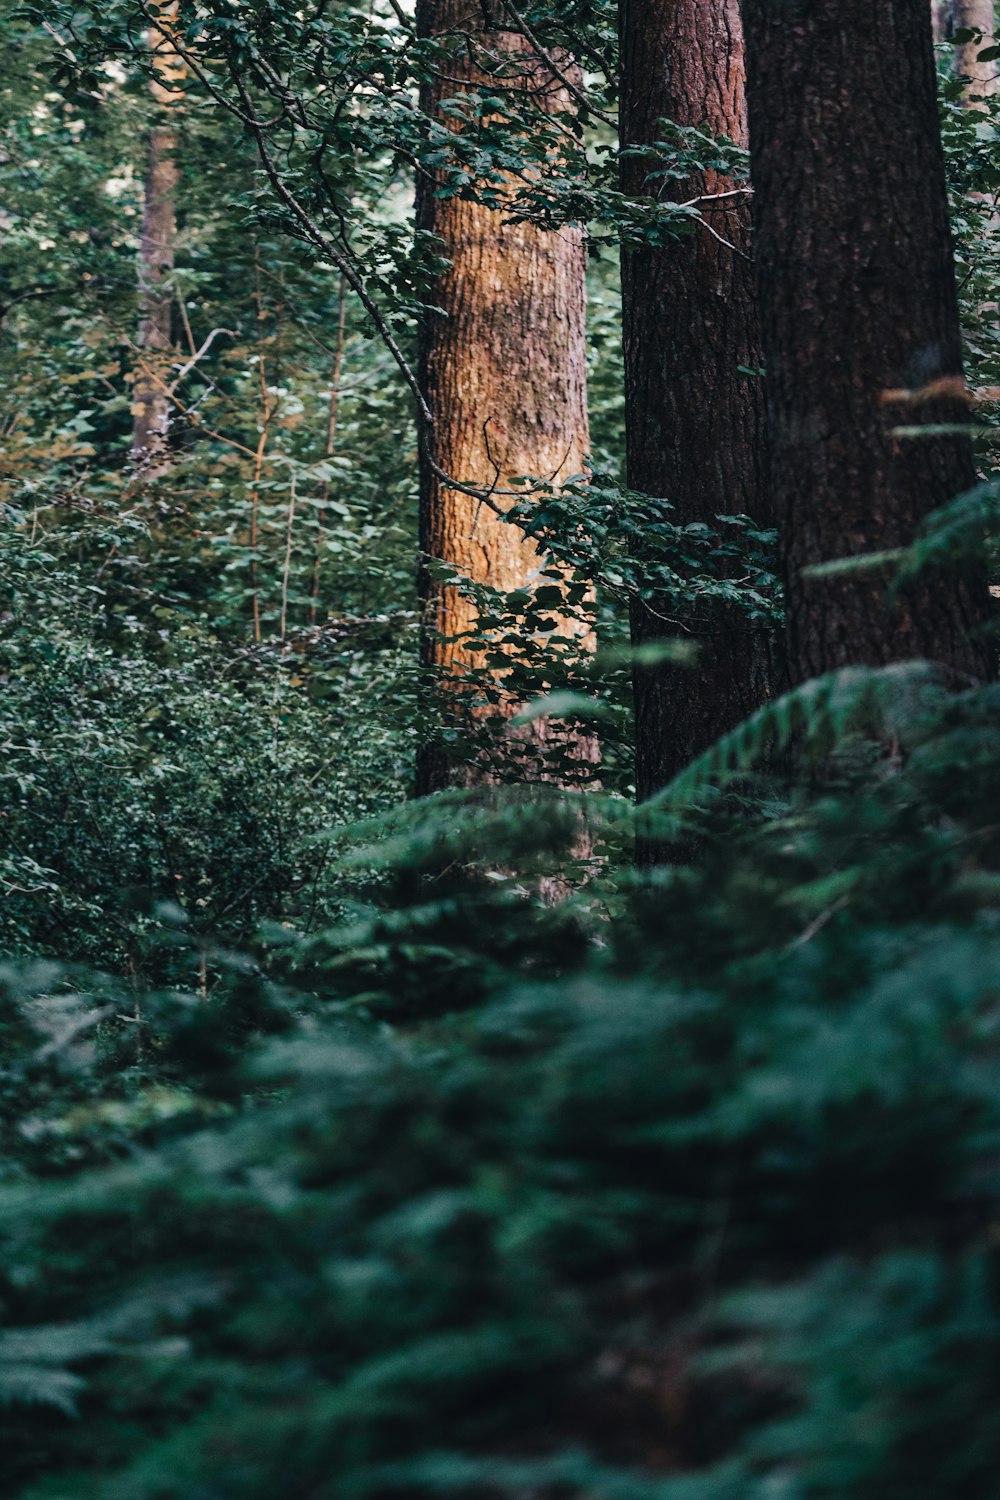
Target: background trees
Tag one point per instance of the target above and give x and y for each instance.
(151, 402)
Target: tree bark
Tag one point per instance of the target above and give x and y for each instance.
(978, 16)
(941, 19)
(695, 419)
(150, 403)
(502, 361)
(856, 288)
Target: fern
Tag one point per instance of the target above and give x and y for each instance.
(950, 537)
(476, 824)
(878, 700)
(956, 532)
(33, 1364)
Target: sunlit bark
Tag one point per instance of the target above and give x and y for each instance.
(503, 362)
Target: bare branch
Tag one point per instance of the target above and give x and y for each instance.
(198, 355)
(740, 192)
(550, 62)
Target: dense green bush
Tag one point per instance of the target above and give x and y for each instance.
(143, 768)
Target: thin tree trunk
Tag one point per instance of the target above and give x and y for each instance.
(267, 412)
(333, 412)
(856, 288)
(269, 407)
(503, 365)
(286, 571)
(150, 402)
(977, 16)
(695, 417)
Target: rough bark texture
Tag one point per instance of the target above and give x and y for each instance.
(503, 364)
(150, 404)
(857, 295)
(975, 15)
(696, 427)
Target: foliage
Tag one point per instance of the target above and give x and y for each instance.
(712, 1191)
(144, 766)
(970, 138)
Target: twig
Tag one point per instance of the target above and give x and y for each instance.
(717, 197)
(819, 923)
(200, 354)
(496, 473)
(550, 63)
(716, 236)
(25, 297)
(61, 40)
(323, 243)
(189, 413)
(188, 332)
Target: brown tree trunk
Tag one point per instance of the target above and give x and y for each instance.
(857, 294)
(695, 419)
(977, 16)
(150, 403)
(503, 363)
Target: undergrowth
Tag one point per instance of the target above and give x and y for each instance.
(683, 1186)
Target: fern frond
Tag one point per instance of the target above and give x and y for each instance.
(32, 1362)
(826, 708)
(38, 1385)
(465, 822)
(956, 531)
(950, 535)
(576, 1471)
(863, 562)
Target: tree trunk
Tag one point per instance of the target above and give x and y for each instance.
(332, 414)
(503, 365)
(857, 294)
(150, 402)
(695, 419)
(941, 19)
(977, 16)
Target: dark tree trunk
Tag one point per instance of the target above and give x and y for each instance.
(857, 294)
(695, 420)
(503, 365)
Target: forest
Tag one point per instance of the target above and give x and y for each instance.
(500, 729)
